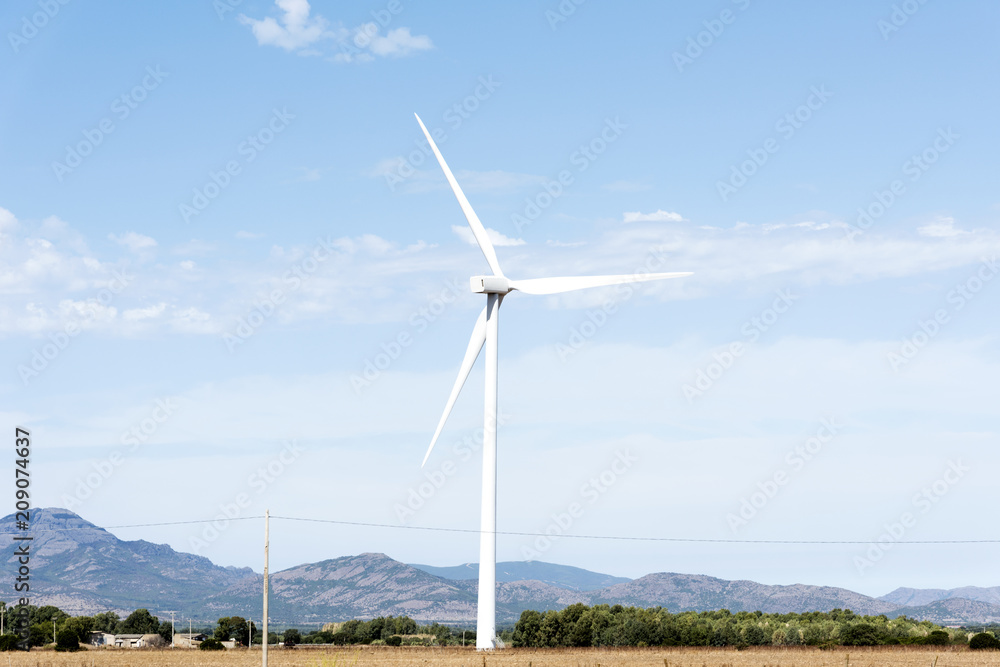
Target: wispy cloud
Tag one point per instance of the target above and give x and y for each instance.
(496, 238)
(397, 43)
(656, 216)
(941, 228)
(133, 241)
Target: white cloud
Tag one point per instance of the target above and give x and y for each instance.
(398, 42)
(941, 228)
(133, 241)
(293, 31)
(149, 312)
(657, 216)
(296, 30)
(496, 238)
(7, 220)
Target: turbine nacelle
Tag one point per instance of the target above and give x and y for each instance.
(490, 285)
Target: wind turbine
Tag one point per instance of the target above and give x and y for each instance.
(486, 331)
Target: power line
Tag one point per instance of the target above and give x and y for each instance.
(627, 538)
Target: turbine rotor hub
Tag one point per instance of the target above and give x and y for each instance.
(490, 285)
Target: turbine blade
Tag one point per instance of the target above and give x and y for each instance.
(471, 354)
(559, 285)
(477, 227)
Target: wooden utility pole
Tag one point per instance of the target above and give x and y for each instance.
(267, 519)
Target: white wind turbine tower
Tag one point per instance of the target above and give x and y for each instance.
(495, 287)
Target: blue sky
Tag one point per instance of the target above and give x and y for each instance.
(224, 246)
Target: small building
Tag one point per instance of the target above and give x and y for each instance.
(98, 638)
(137, 641)
(189, 640)
(127, 641)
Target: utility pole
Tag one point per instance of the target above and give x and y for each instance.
(267, 539)
(171, 629)
(249, 633)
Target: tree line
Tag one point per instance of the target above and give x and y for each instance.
(604, 625)
(574, 626)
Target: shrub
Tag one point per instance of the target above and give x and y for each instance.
(212, 644)
(9, 642)
(984, 641)
(394, 640)
(937, 638)
(66, 640)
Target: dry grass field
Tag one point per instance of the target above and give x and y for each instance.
(454, 657)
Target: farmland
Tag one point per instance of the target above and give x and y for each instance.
(457, 657)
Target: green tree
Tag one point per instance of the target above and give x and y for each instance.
(81, 625)
(139, 622)
(166, 630)
(526, 630)
(937, 638)
(106, 621)
(236, 628)
(292, 637)
(860, 634)
(40, 634)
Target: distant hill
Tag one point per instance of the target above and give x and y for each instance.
(953, 611)
(923, 596)
(84, 569)
(691, 592)
(561, 576)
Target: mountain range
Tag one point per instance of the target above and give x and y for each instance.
(84, 569)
